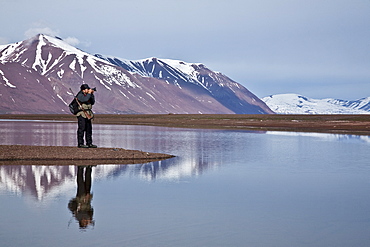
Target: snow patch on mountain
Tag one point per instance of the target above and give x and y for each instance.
(7, 83)
(298, 104)
(183, 67)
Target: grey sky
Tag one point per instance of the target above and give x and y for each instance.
(317, 48)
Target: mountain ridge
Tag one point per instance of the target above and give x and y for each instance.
(36, 75)
(180, 73)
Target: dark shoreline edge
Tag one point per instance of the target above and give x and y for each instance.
(334, 124)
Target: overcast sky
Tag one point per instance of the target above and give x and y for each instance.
(317, 48)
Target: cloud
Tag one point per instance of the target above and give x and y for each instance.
(44, 30)
(41, 27)
(72, 41)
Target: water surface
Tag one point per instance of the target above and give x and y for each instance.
(224, 188)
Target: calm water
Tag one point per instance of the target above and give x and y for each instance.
(224, 188)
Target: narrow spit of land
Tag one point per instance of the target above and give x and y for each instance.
(62, 155)
(339, 124)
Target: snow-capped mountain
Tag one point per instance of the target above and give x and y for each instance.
(36, 76)
(361, 104)
(298, 104)
(195, 76)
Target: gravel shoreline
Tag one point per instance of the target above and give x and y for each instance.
(52, 155)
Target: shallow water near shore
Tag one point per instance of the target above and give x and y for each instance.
(224, 188)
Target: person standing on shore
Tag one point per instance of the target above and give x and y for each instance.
(87, 99)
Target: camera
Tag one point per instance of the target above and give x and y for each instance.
(94, 89)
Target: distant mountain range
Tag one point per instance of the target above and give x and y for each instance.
(298, 104)
(36, 76)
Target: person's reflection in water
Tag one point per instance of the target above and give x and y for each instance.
(80, 206)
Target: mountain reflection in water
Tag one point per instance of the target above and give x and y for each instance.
(46, 182)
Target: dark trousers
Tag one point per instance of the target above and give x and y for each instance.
(84, 130)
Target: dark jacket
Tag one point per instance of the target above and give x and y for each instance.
(86, 98)
(86, 101)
